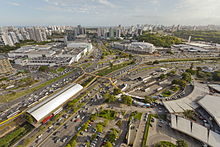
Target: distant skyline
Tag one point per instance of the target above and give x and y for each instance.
(109, 12)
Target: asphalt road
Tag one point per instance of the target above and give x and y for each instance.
(14, 103)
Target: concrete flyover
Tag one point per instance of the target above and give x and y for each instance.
(188, 102)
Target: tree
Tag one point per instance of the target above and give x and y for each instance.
(68, 145)
(148, 99)
(44, 68)
(189, 114)
(159, 39)
(93, 117)
(203, 75)
(29, 118)
(119, 123)
(85, 126)
(181, 83)
(156, 62)
(198, 68)
(109, 98)
(130, 56)
(216, 76)
(126, 99)
(73, 143)
(173, 72)
(181, 143)
(108, 144)
(116, 91)
(110, 64)
(186, 76)
(113, 135)
(192, 72)
(164, 144)
(7, 139)
(105, 123)
(192, 66)
(162, 76)
(99, 128)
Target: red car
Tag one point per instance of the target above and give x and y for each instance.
(77, 120)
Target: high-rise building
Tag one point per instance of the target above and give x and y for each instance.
(80, 30)
(37, 34)
(13, 37)
(71, 35)
(118, 32)
(111, 33)
(7, 39)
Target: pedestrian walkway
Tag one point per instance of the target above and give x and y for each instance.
(140, 132)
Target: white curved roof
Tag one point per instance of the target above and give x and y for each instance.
(211, 104)
(195, 130)
(46, 107)
(143, 44)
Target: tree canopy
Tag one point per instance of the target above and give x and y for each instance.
(159, 40)
(126, 99)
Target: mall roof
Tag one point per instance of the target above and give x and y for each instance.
(215, 87)
(211, 105)
(48, 106)
(195, 130)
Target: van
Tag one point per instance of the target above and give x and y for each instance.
(78, 128)
(64, 139)
(50, 127)
(40, 136)
(57, 140)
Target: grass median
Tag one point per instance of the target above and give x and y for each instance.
(109, 70)
(146, 131)
(189, 59)
(88, 81)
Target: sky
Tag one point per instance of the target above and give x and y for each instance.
(109, 12)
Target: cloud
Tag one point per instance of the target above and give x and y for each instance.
(106, 2)
(80, 2)
(154, 2)
(166, 12)
(199, 8)
(14, 4)
(195, 12)
(78, 6)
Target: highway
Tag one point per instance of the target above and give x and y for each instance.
(76, 76)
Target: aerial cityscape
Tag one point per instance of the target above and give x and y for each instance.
(107, 73)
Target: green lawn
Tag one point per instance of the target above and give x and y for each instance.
(189, 59)
(15, 135)
(146, 68)
(166, 93)
(165, 144)
(108, 114)
(175, 88)
(60, 69)
(108, 70)
(85, 65)
(136, 115)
